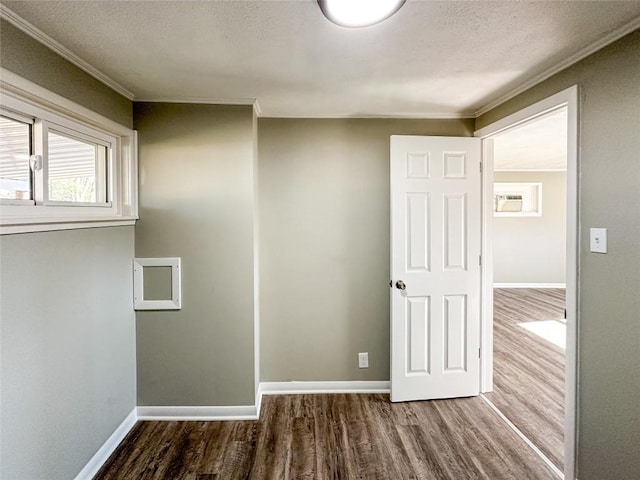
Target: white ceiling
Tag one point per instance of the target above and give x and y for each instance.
(432, 59)
(540, 144)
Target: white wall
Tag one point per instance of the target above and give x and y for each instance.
(532, 249)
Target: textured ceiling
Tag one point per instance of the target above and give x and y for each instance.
(540, 144)
(433, 58)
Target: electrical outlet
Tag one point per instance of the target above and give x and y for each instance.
(363, 360)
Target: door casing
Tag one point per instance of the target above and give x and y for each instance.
(570, 99)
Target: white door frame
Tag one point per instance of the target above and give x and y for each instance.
(568, 98)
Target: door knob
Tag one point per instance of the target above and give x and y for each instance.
(400, 285)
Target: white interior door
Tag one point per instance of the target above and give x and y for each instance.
(435, 267)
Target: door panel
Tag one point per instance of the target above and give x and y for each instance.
(418, 232)
(418, 335)
(435, 241)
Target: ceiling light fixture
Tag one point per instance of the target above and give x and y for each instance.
(359, 13)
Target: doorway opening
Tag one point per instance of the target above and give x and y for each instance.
(529, 295)
(529, 268)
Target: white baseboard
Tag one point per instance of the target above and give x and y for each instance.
(252, 412)
(526, 440)
(283, 388)
(529, 285)
(105, 451)
(243, 412)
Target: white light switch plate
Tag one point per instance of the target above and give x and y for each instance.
(598, 237)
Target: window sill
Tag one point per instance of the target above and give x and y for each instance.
(53, 224)
(517, 214)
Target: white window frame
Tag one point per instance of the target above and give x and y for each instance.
(83, 134)
(24, 99)
(28, 121)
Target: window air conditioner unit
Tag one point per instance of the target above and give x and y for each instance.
(508, 203)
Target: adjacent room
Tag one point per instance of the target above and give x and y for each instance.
(529, 240)
(258, 240)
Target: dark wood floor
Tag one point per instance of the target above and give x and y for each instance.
(333, 437)
(528, 370)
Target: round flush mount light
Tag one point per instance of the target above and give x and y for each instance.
(359, 13)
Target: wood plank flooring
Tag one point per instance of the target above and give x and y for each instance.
(332, 437)
(528, 370)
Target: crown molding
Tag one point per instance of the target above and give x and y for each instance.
(599, 44)
(261, 114)
(15, 85)
(199, 100)
(257, 109)
(405, 116)
(37, 34)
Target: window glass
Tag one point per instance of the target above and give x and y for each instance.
(15, 148)
(75, 169)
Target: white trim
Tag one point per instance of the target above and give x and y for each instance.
(221, 413)
(18, 86)
(525, 115)
(252, 412)
(199, 100)
(64, 225)
(37, 34)
(288, 388)
(21, 95)
(257, 108)
(398, 115)
(572, 293)
(545, 170)
(486, 270)
(108, 447)
(259, 400)
(529, 285)
(256, 256)
(569, 98)
(558, 67)
(139, 302)
(198, 413)
(526, 440)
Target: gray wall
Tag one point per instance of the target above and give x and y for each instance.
(24, 56)
(609, 285)
(324, 244)
(67, 348)
(196, 202)
(68, 326)
(532, 249)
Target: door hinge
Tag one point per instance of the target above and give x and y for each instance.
(480, 260)
(479, 351)
(480, 167)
